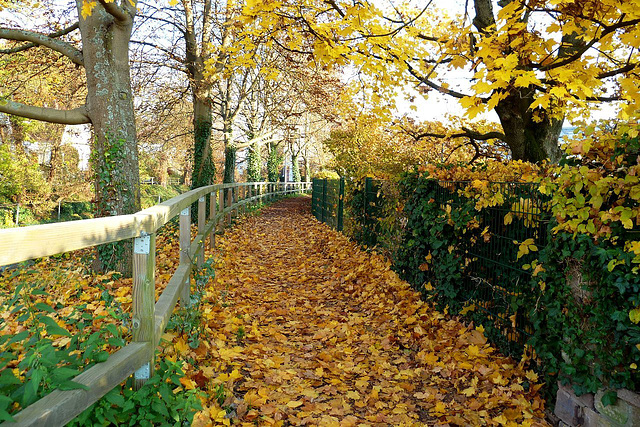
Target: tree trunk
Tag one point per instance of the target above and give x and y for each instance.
(204, 169)
(254, 164)
(163, 174)
(110, 107)
(55, 162)
(528, 140)
(295, 168)
(273, 164)
(230, 163)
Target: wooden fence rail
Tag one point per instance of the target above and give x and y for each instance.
(149, 317)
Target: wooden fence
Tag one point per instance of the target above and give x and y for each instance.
(149, 317)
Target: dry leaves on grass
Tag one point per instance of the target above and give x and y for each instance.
(304, 328)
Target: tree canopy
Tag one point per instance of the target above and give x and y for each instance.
(534, 62)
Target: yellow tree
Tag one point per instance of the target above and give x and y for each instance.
(533, 62)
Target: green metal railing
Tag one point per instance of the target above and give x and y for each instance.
(493, 279)
(327, 201)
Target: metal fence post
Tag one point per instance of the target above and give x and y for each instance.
(323, 207)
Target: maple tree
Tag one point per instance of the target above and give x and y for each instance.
(533, 62)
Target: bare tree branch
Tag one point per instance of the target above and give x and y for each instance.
(466, 133)
(40, 39)
(29, 45)
(77, 116)
(116, 11)
(161, 49)
(435, 86)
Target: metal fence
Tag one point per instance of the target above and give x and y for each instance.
(494, 280)
(494, 285)
(327, 201)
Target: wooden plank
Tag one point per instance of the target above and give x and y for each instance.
(35, 241)
(21, 244)
(144, 296)
(163, 212)
(185, 242)
(169, 298)
(59, 407)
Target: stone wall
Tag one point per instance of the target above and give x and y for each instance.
(588, 411)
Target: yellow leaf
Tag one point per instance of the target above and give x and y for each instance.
(187, 383)
(634, 315)
(294, 403)
(468, 308)
(181, 346)
(439, 409)
(469, 391)
(508, 218)
(87, 8)
(353, 395)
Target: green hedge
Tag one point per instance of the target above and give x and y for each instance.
(561, 300)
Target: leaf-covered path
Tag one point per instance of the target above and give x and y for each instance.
(307, 329)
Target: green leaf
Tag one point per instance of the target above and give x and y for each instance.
(19, 337)
(44, 307)
(31, 388)
(62, 374)
(7, 378)
(115, 398)
(72, 385)
(53, 328)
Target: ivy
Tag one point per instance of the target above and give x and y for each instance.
(572, 288)
(273, 164)
(110, 186)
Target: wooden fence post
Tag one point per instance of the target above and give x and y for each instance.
(185, 243)
(144, 299)
(202, 224)
(235, 192)
(213, 200)
(229, 203)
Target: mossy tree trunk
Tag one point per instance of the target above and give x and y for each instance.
(254, 163)
(106, 35)
(273, 163)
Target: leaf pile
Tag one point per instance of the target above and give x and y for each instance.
(307, 329)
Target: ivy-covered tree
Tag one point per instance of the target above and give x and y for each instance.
(274, 162)
(254, 163)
